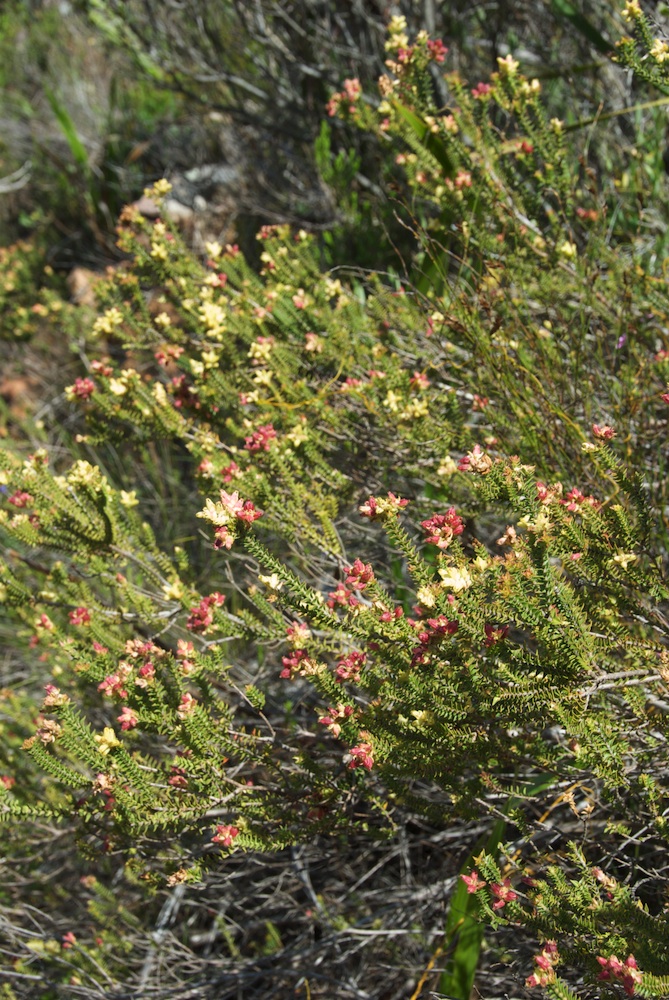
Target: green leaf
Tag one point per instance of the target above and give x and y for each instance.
(432, 143)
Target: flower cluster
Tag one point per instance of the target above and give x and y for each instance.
(437, 629)
(261, 439)
(202, 616)
(442, 528)
(627, 972)
(227, 516)
(476, 460)
(382, 507)
(225, 835)
(544, 972)
(502, 891)
(359, 574)
(362, 755)
(347, 98)
(349, 668)
(333, 715)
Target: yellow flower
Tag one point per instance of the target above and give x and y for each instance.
(392, 401)
(108, 322)
(631, 10)
(426, 597)
(625, 558)
(424, 717)
(173, 591)
(214, 250)
(118, 386)
(106, 740)
(508, 66)
(214, 513)
(660, 51)
(159, 189)
(261, 350)
(414, 409)
(568, 250)
(128, 499)
(159, 251)
(454, 578)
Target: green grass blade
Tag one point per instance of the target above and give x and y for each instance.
(68, 129)
(463, 934)
(432, 143)
(581, 23)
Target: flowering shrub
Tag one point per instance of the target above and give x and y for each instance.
(479, 634)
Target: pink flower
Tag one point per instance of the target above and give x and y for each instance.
(495, 633)
(128, 718)
(145, 675)
(349, 668)
(390, 616)
(359, 574)
(178, 778)
(230, 472)
(101, 368)
(313, 343)
(362, 755)
(476, 460)
(331, 720)
(463, 179)
(437, 629)
(260, 440)
(69, 940)
(504, 894)
(297, 633)
(248, 513)
(20, 498)
(343, 596)
(99, 648)
(112, 686)
(291, 664)
(54, 697)
(626, 972)
(665, 397)
(473, 882)
(187, 706)
(437, 50)
(49, 730)
(352, 89)
(481, 90)
(382, 506)
(369, 509)
(202, 617)
(442, 528)
(223, 538)
(604, 433)
(83, 388)
(225, 835)
(80, 616)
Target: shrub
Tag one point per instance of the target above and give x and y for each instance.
(435, 507)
